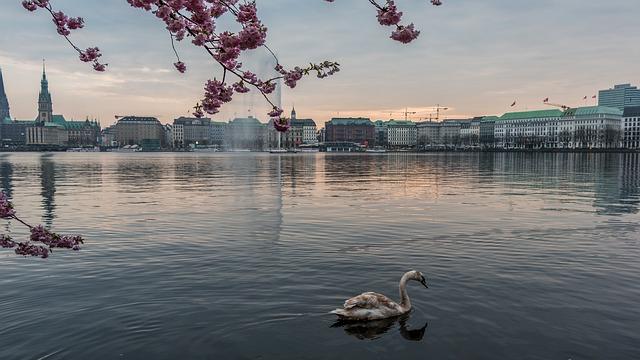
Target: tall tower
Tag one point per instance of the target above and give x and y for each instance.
(293, 113)
(45, 107)
(4, 102)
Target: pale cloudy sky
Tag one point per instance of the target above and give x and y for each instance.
(474, 56)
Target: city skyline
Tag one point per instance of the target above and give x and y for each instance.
(454, 66)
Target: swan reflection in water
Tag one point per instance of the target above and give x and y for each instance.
(375, 329)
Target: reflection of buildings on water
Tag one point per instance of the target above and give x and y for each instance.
(627, 188)
(48, 182)
(6, 176)
(611, 179)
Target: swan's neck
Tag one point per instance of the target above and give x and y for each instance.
(405, 302)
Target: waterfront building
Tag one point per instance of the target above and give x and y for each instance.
(620, 96)
(80, 133)
(49, 129)
(401, 133)
(356, 130)
(139, 130)
(168, 135)
(14, 132)
(45, 105)
(585, 127)
(487, 131)
(304, 129)
(631, 127)
(47, 134)
(321, 135)
(450, 131)
(4, 102)
(108, 136)
(190, 131)
(428, 133)
(381, 133)
(294, 136)
(470, 131)
(216, 132)
(246, 134)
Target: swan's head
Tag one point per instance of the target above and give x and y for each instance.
(417, 275)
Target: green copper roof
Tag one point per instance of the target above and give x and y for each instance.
(400, 123)
(350, 121)
(58, 119)
(596, 110)
(490, 118)
(535, 114)
(245, 121)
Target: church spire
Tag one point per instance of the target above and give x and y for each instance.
(4, 102)
(293, 113)
(45, 106)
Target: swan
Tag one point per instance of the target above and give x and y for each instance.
(373, 306)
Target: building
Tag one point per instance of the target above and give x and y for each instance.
(139, 130)
(487, 131)
(308, 126)
(294, 137)
(470, 131)
(4, 102)
(381, 133)
(631, 127)
(191, 131)
(49, 129)
(80, 133)
(217, 130)
(14, 132)
(356, 130)
(620, 96)
(321, 135)
(428, 133)
(168, 135)
(108, 136)
(450, 132)
(401, 134)
(585, 127)
(48, 134)
(246, 134)
(45, 105)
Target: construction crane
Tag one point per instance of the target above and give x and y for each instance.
(406, 113)
(438, 108)
(563, 107)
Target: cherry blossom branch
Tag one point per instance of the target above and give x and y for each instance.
(198, 19)
(64, 26)
(38, 234)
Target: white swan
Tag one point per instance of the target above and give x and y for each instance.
(373, 306)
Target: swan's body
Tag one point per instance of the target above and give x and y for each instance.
(374, 306)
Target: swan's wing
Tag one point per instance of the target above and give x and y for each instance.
(369, 300)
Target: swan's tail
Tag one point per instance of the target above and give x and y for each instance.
(339, 312)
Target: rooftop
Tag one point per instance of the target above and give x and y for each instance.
(245, 121)
(131, 119)
(535, 114)
(303, 122)
(350, 121)
(400, 123)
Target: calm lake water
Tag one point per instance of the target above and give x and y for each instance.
(240, 256)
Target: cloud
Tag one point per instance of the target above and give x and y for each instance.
(474, 56)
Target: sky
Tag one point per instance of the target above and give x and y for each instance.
(475, 57)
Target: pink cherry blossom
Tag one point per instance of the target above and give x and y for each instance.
(6, 207)
(199, 20)
(180, 66)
